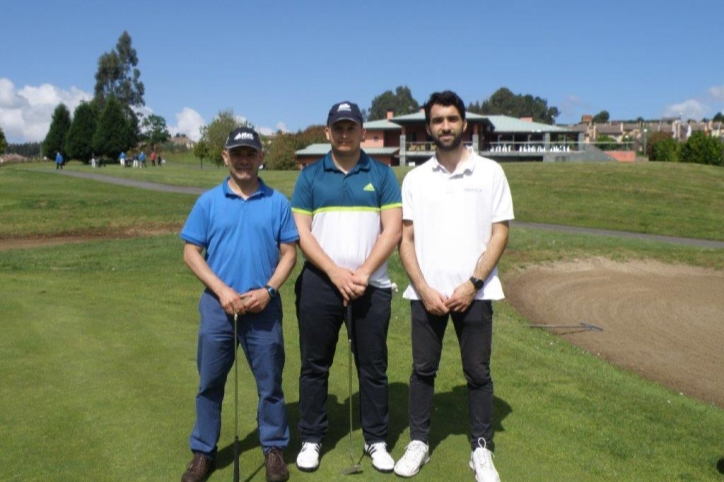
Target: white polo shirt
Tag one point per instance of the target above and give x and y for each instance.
(452, 216)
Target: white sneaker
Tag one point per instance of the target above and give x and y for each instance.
(381, 459)
(481, 461)
(416, 455)
(308, 458)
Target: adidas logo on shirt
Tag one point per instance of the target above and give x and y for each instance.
(369, 187)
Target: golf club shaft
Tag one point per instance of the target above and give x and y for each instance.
(348, 316)
(236, 399)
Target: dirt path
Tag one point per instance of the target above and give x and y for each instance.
(664, 322)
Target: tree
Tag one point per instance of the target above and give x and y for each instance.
(662, 147)
(702, 149)
(215, 134)
(201, 150)
(282, 150)
(601, 118)
(154, 130)
(3, 141)
(607, 143)
(59, 126)
(719, 117)
(79, 142)
(116, 130)
(504, 102)
(400, 102)
(117, 75)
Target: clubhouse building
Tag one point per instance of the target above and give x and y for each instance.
(403, 141)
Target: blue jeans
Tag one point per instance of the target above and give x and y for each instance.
(261, 338)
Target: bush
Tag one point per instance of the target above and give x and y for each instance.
(702, 149)
(607, 143)
(662, 147)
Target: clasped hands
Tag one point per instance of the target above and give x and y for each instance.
(438, 304)
(253, 301)
(351, 284)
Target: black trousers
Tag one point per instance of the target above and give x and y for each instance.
(474, 329)
(321, 314)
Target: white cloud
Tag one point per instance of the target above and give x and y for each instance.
(267, 131)
(717, 92)
(25, 114)
(689, 109)
(189, 123)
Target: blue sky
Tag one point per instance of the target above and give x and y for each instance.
(282, 64)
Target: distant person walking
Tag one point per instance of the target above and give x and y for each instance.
(455, 211)
(58, 161)
(142, 159)
(247, 232)
(122, 159)
(153, 158)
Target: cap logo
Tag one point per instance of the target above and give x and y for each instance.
(244, 135)
(342, 107)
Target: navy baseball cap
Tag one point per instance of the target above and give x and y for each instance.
(243, 136)
(344, 111)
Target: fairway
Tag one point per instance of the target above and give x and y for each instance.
(99, 342)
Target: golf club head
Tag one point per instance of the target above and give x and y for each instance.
(352, 469)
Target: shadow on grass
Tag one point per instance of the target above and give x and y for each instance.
(450, 417)
(720, 465)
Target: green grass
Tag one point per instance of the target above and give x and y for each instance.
(654, 198)
(99, 341)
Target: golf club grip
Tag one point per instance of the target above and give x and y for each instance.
(236, 459)
(348, 321)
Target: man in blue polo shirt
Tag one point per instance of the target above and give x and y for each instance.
(249, 235)
(348, 211)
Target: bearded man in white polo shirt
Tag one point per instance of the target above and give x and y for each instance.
(455, 211)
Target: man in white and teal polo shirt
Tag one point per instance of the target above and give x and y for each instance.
(348, 211)
(249, 237)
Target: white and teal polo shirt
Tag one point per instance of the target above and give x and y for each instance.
(345, 209)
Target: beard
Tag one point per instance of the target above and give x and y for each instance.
(452, 145)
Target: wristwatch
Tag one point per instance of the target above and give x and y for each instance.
(477, 283)
(271, 290)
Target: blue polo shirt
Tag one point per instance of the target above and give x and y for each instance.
(241, 236)
(345, 209)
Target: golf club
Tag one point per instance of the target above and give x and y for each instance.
(584, 326)
(236, 398)
(355, 468)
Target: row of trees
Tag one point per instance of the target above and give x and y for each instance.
(3, 141)
(279, 152)
(698, 149)
(502, 102)
(109, 123)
